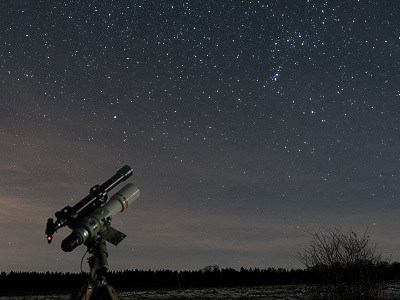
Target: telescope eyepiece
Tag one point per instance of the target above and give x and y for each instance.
(50, 229)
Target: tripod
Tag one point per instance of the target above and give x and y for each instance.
(97, 287)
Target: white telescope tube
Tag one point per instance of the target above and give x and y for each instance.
(100, 219)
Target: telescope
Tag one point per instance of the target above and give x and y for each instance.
(90, 221)
(92, 215)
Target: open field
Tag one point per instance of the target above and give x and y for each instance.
(292, 292)
(285, 292)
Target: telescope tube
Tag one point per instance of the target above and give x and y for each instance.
(100, 219)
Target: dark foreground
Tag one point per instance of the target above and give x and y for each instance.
(208, 283)
(293, 292)
(279, 292)
(147, 279)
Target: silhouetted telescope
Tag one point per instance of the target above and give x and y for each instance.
(91, 217)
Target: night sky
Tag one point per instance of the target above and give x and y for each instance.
(247, 123)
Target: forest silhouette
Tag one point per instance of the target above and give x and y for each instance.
(210, 276)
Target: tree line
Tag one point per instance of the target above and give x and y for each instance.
(211, 276)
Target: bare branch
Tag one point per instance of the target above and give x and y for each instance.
(346, 265)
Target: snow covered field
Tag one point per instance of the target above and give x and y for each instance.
(287, 292)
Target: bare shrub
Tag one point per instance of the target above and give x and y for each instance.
(344, 265)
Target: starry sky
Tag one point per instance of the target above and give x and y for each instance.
(247, 123)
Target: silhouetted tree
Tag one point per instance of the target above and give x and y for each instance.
(344, 265)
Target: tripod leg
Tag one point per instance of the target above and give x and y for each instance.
(111, 291)
(88, 292)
